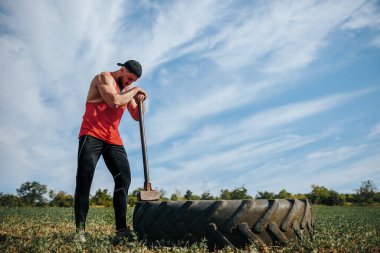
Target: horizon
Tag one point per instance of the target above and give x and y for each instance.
(182, 193)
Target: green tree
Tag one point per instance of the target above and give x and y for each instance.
(32, 193)
(366, 192)
(299, 196)
(334, 198)
(61, 199)
(377, 197)
(322, 195)
(265, 195)
(174, 197)
(350, 197)
(102, 198)
(132, 200)
(240, 193)
(190, 196)
(163, 193)
(207, 196)
(225, 194)
(319, 194)
(237, 193)
(10, 200)
(283, 194)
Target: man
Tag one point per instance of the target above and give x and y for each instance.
(107, 99)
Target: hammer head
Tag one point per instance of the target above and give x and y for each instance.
(149, 195)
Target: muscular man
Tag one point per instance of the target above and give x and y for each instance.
(107, 99)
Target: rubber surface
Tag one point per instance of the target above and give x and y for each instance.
(234, 223)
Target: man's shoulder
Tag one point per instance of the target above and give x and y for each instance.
(105, 73)
(104, 77)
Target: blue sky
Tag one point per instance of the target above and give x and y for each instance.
(265, 94)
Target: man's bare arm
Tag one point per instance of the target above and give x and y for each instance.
(133, 109)
(106, 86)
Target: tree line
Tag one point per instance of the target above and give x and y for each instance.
(36, 194)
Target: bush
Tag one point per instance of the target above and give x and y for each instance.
(366, 194)
(102, 198)
(265, 195)
(61, 199)
(132, 200)
(237, 193)
(10, 200)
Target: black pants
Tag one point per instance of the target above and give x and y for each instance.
(115, 157)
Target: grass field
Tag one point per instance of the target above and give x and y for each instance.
(337, 229)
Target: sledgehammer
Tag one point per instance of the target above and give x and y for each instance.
(147, 194)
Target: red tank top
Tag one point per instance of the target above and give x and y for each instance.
(102, 122)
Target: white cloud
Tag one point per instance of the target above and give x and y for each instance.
(286, 38)
(297, 173)
(243, 147)
(375, 130)
(376, 41)
(174, 25)
(367, 15)
(282, 36)
(211, 166)
(342, 176)
(248, 129)
(43, 91)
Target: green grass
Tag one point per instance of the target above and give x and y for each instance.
(337, 229)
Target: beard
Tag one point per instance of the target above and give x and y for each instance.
(120, 84)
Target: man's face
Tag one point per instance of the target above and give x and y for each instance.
(126, 79)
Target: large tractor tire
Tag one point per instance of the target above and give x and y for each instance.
(234, 223)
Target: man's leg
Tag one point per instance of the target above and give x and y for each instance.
(117, 163)
(89, 152)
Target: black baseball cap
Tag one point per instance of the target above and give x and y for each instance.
(133, 67)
